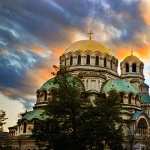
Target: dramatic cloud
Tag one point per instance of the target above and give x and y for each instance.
(34, 34)
(144, 7)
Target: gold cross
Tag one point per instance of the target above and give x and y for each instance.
(90, 35)
(131, 52)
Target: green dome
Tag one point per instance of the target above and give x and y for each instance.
(145, 99)
(52, 83)
(119, 86)
(35, 114)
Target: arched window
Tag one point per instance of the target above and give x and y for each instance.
(65, 61)
(79, 60)
(111, 64)
(71, 60)
(88, 59)
(127, 67)
(142, 123)
(24, 127)
(130, 97)
(97, 61)
(121, 97)
(105, 62)
(141, 68)
(133, 67)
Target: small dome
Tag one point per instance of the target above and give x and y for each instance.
(119, 86)
(52, 83)
(132, 59)
(85, 45)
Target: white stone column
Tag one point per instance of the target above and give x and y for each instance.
(83, 60)
(75, 60)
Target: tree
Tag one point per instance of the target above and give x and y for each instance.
(75, 124)
(61, 129)
(102, 124)
(2, 119)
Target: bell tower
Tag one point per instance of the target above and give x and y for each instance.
(132, 71)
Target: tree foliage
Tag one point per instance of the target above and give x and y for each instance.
(75, 124)
(2, 119)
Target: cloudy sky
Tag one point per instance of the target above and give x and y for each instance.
(33, 34)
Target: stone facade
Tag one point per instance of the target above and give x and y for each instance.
(97, 70)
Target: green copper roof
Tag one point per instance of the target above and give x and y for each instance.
(136, 115)
(145, 99)
(51, 83)
(35, 114)
(119, 86)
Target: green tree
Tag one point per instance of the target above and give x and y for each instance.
(102, 124)
(2, 119)
(74, 123)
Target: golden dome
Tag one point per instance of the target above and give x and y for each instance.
(85, 45)
(132, 59)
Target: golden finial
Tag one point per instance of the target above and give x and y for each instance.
(90, 35)
(132, 52)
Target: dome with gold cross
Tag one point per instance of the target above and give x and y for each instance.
(88, 45)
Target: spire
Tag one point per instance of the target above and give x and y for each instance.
(90, 35)
(131, 52)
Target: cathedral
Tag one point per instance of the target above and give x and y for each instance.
(97, 69)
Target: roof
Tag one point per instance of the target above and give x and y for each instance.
(35, 114)
(132, 59)
(52, 83)
(85, 45)
(145, 99)
(136, 115)
(119, 86)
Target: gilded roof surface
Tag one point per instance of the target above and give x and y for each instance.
(87, 45)
(119, 86)
(132, 59)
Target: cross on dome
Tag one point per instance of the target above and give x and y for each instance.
(90, 35)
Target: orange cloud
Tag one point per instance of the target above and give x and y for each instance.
(142, 52)
(35, 78)
(144, 8)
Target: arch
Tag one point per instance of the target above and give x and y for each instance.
(142, 124)
(71, 60)
(134, 67)
(141, 68)
(97, 61)
(121, 96)
(88, 59)
(79, 60)
(24, 127)
(105, 62)
(130, 98)
(111, 64)
(65, 61)
(127, 67)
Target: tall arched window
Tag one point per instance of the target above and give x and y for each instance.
(134, 67)
(97, 61)
(141, 68)
(88, 59)
(111, 64)
(24, 127)
(127, 67)
(105, 62)
(79, 60)
(130, 98)
(65, 61)
(71, 60)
